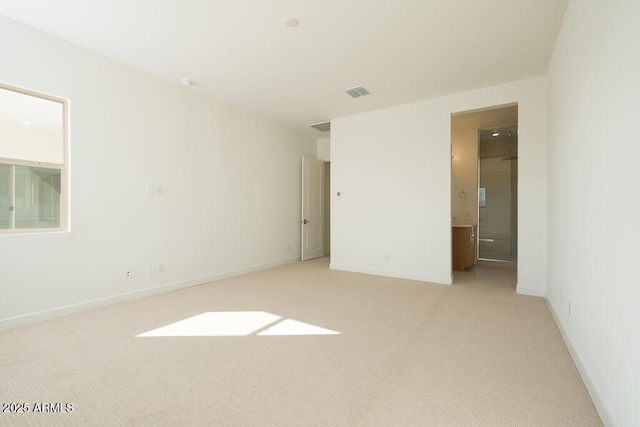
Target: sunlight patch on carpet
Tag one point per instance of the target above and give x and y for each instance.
(293, 327)
(236, 323)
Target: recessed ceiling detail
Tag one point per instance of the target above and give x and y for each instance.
(322, 127)
(358, 91)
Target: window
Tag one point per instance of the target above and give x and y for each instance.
(32, 162)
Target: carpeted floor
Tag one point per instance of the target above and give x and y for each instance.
(400, 353)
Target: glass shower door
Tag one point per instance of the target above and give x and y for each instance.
(498, 199)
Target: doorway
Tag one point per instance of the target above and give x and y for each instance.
(484, 178)
(316, 209)
(313, 226)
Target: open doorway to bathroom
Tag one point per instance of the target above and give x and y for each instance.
(484, 183)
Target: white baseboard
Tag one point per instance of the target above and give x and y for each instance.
(251, 269)
(598, 402)
(531, 291)
(442, 280)
(30, 318)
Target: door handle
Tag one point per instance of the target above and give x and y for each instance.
(304, 221)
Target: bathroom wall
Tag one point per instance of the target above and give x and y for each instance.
(464, 176)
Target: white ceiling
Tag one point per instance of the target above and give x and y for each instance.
(241, 53)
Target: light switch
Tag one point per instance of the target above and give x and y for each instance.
(155, 190)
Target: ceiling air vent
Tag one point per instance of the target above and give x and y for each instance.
(322, 127)
(358, 91)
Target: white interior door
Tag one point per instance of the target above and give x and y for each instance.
(312, 220)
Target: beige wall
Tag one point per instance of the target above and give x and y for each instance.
(464, 175)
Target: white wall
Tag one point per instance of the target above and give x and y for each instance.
(324, 149)
(231, 184)
(594, 101)
(393, 169)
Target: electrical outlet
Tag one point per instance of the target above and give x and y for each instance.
(160, 268)
(561, 294)
(127, 273)
(570, 309)
(288, 248)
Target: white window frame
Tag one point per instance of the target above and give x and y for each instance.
(63, 167)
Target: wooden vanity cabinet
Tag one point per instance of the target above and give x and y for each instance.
(463, 247)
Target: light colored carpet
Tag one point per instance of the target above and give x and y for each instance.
(408, 353)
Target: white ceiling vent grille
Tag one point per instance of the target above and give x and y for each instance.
(322, 127)
(358, 91)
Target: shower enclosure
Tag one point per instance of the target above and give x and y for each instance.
(498, 195)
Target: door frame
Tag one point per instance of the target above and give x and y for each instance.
(316, 221)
